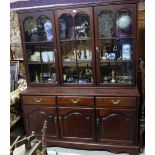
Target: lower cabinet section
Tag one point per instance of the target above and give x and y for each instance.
(116, 125)
(77, 124)
(35, 116)
(74, 122)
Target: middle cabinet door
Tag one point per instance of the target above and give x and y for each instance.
(77, 124)
(75, 37)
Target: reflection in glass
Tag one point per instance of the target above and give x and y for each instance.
(108, 49)
(66, 27)
(30, 28)
(33, 52)
(107, 73)
(47, 53)
(35, 70)
(106, 24)
(48, 74)
(68, 51)
(70, 74)
(82, 25)
(125, 49)
(124, 73)
(85, 73)
(124, 23)
(45, 32)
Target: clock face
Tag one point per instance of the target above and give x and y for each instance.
(123, 22)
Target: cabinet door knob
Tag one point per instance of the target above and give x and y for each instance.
(37, 100)
(55, 119)
(75, 101)
(97, 49)
(115, 102)
(97, 120)
(55, 50)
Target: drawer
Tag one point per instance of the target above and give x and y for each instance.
(115, 101)
(75, 100)
(39, 99)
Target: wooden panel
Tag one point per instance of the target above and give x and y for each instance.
(77, 124)
(39, 100)
(35, 117)
(116, 125)
(115, 101)
(75, 100)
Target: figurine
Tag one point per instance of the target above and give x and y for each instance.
(111, 56)
(81, 30)
(126, 52)
(48, 29)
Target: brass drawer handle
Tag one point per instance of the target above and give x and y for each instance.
(115, 102)
(37, 100)
(75, 101)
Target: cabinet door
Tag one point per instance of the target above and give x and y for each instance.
(35, 117)
(39, 44)
(116, 125)
(76, 46)
(115, 44)
(77, 124)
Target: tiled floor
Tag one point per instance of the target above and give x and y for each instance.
(65, 151)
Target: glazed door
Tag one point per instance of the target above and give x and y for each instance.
(77, 124)
(116, 126)
(39, 43)
(35, 117)
(76, 46)
(115, 44)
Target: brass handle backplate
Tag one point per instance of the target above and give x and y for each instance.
(38, 100)
(115, 101)
(75, 101)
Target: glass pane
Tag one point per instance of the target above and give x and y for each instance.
(30, 28)
(35, 70)
(83, 50)
(45, 29)
(85, 73)
(33, 53)
(48, 74)
(47, 53)
(70, 74)
(106, 24)
(124, 49)
(68, 51)
(124, 23)
(124, 73)
(107, 49)
(107, 73)
(82, 25)
(66, 27)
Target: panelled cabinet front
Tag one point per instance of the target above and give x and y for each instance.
(116, 126)
(35, 115)
(77, 124)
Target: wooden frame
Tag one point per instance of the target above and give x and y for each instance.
(14, 71)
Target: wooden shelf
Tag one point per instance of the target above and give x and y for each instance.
(115, 61)
(74, 39)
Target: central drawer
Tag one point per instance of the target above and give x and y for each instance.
(39, 100)
(75, 100)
